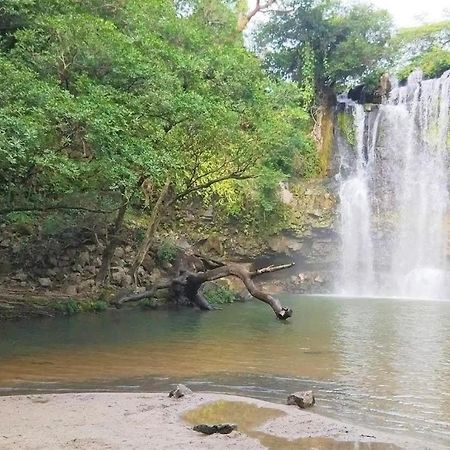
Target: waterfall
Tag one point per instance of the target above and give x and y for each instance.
(354, 193)
(394, 195)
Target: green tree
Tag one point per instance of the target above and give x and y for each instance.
(100, 98)
(324, 44)
(426, 47)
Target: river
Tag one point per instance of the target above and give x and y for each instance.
(382, 363)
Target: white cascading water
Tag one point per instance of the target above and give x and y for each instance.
(356, 214)
(397, 188)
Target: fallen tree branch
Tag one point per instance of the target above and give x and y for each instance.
(221, 272)
(149, 293)
(271, 268)
(188, 286)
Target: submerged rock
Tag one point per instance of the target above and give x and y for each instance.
(302, 399)
(180, 391)
(222, 428)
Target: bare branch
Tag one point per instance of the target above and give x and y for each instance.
(244, 19)
(271, 269)
(280, 311)
(238, 175)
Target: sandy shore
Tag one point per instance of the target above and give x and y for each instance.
(154, 421)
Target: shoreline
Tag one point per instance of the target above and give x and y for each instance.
(101, 421)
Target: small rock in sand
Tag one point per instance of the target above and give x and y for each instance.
(222, 428)
(302, 399)
(180, 391)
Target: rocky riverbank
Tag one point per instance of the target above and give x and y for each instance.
(47, 274)
(142, 421)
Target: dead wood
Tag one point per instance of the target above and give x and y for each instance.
(186, 286)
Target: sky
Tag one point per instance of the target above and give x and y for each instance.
(408, 13)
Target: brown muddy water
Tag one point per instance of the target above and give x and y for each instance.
(249, 417)
(382, 363)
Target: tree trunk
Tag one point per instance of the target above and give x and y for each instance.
(108, 253)
(150, 232)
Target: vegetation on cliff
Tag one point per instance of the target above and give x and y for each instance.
(426, 47)
(325, 45)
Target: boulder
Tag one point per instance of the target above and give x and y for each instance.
(148, 263)
(86, 285)
(119, 252)
(213, 244)
(118, 262)
(91, 269)
(20, 276)
(284, 244)
(71, 290)
(127, 280)
(74, 278)
(45, 282)
(77, 268)
(180, 391)
(84, 258)
(118, 274)
(302, 399)
(5, 243)
(155, 276)
(302, 278)
(222, 428)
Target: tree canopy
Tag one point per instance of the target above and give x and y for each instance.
(98, 97)
(426, 47)
(101, 97)
(324, 43)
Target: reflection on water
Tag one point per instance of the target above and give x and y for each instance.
(383, 363)
(249, 417)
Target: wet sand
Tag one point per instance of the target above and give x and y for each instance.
(154, 421)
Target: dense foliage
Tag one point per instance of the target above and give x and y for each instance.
(101, 98)
(326, 43)
(98, 97)
(426, 47)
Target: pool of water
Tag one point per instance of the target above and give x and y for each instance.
(378, 362)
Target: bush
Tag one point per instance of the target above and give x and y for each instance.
(72, 307)
(53, 224)
(68, 307)
(22, 222)
(20, 218)
(219, 295)
(97, 306)
(167, 252)
(149, 303)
